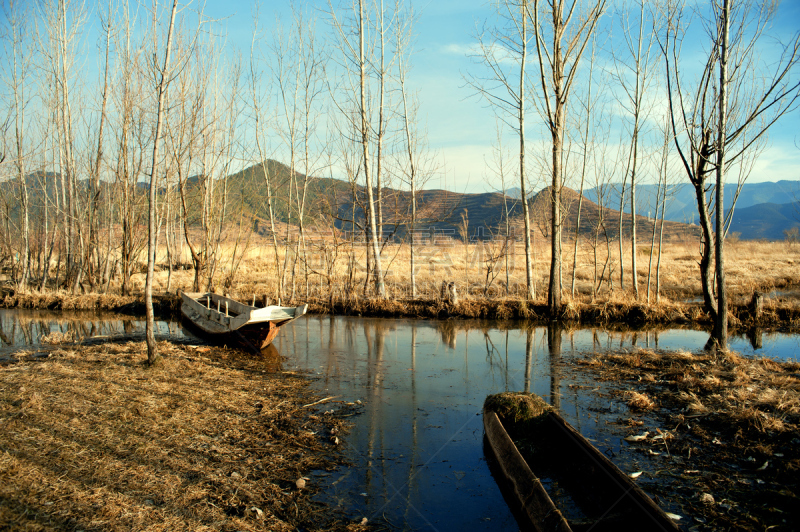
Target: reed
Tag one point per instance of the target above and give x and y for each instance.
(341, 286)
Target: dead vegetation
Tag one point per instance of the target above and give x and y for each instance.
(731, 453)
(92, 439)
(755, 395)
(342, 288)
(767, 267)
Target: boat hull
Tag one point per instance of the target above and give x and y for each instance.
(224, 320)
(606, 497)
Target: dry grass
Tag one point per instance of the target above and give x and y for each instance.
(751, 265)
(753, 394)
(91, 439)
(58, 337)
(62, 300)
(639, 401)
(728, 458)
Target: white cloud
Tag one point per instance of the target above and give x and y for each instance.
(777, 162)
(460, 49)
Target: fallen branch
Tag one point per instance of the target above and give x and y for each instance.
(320, 401)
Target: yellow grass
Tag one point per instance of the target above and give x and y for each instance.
(750, 265)
(95, 440)
(333, 278)
(760, 394)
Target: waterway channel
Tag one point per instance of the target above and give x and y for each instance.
(416, 444)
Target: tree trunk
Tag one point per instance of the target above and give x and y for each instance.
(720, 332)
(164, 74)
(376, 253)
(554, 288)
(661, 240)
(531, 291)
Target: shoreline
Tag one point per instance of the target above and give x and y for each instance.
(716, 434)
(683, 387)
(777, 314)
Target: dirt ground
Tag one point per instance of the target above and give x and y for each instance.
(93, 439)
(718, 434)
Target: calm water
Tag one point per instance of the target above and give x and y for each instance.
(416, 447)
(27, 328)
(417, 453)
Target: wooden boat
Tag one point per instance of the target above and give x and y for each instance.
(591, 492)
(221, 316)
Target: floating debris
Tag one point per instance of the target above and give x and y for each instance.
(636, 438)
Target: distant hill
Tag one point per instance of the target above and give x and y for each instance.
(681, 206)
(765, 220)
(335, 202)
(443, 212)
(769, 201)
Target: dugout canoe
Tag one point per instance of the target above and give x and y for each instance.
(222, 317)
(589, 491)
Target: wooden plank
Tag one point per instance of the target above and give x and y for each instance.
(534, 504)
(201, 309)
(609, 499)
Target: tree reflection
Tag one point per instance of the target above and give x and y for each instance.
(528, 357)
(554, 330)
(447, 330)
(755, 336)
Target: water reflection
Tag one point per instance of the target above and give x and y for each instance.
(30, 328)
(417, 448)
(756, 338)
(554, 350)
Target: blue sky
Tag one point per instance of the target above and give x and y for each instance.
(460, 127)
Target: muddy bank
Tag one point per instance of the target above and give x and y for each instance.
(719, 434)
(777, 313)
(164, 304)
(92, 439)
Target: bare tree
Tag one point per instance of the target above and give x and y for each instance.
(259, 105)
(603, 175)
(719, 120)
(18, 55)
(587, 117)
(417, 168)
(356, 59)
(62, 21)
(94, 267)
(202, 140)
(311, 64)
(286, 51)
(504, 89)
(130, 131)
(633, 74)
(723, 15)
(558, 63)
(663, 191)
(499, 168)
(163, 75)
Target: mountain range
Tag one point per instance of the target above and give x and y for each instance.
(763, 210)
(439, 212)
